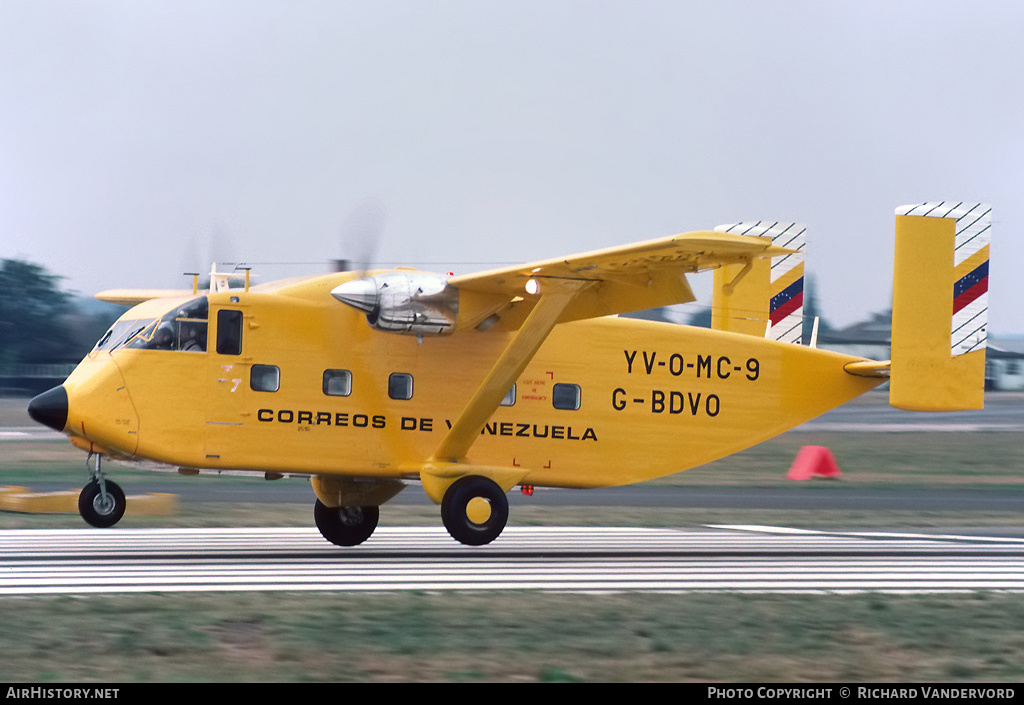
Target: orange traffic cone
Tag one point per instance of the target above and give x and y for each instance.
(811, 461)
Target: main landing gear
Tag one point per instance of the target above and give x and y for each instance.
(102, 502)
(345, 526)
(474, 509)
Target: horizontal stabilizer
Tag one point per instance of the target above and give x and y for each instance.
(869, 368)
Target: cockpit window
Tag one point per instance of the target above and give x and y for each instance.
(120, 333)
(229, 332)
(183, 328)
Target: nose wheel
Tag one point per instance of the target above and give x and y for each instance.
(102, 502)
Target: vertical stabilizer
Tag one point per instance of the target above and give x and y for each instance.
(761, 299)
(940, 306)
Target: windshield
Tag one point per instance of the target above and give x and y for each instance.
(182, 328)
(121, 332)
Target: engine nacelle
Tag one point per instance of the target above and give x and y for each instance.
(404, 302)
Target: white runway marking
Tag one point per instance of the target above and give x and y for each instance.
(30, 433)
(760, 559)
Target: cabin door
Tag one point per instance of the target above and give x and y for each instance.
(228, 388)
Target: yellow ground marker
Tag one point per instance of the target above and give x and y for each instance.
(24, 501)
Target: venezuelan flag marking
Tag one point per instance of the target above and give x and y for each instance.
(787, 301)
(969, 287)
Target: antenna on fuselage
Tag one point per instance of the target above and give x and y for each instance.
(218, 280)
(221, 281)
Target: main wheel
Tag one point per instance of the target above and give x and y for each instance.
(100, 511)
(474, 510)
(345, 526)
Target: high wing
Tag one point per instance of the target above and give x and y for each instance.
(615, 280)
(219, 281)
(131, 297)
(600, 283)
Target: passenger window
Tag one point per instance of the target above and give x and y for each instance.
(337, 383)
(229, 332)
(265, 378)
(400, 386)
(510, 398)
(566, 396)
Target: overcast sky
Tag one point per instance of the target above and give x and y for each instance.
(135, 133)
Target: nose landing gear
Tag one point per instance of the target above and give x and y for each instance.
(102, 502)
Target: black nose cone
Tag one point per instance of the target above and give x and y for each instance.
(50, 408)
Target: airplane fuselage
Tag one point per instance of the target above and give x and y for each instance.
(301, 384)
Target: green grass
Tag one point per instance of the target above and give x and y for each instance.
(514, 637)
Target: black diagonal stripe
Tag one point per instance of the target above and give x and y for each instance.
(953, 209)
(970, 321)
(968, 212)
(790, 240)
(968, 226)
(798, 325)
(781, 261)
(975, 235)
(972, 333)
(977, 346)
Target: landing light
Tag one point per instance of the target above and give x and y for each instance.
(532, 286)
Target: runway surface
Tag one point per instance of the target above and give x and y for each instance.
(721, 558)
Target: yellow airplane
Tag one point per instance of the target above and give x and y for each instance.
(472, 385)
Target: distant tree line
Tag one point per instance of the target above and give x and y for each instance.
(42, 324)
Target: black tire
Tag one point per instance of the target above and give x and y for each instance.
(99, 512)
(345, 526)
(455, 510)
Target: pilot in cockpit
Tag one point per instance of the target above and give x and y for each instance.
(163, 338)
